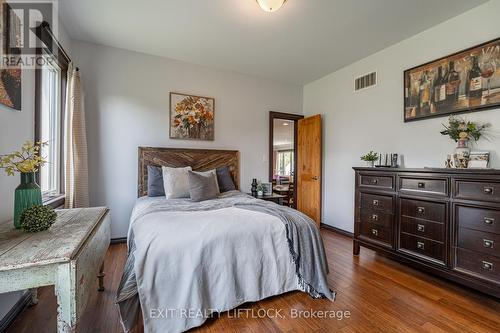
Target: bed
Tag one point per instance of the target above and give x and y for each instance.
(188, 261)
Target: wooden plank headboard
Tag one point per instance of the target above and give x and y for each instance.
(198, 159)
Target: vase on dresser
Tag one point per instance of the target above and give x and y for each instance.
(462, 154)
(27, 194)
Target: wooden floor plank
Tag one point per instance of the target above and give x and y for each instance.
(380, 294)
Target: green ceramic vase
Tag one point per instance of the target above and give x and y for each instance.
(28, 194)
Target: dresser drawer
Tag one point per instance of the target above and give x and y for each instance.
(377, 217)
(479, 241)
(427, 229)
(482, 219)
(370, 231)
(477, 190)
(433, 211)
(377, 202)
(423, 247)
(379, 181)
(479, 264)
(424, 185)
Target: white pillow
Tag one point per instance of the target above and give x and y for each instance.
(176, 182)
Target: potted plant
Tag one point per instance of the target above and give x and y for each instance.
(260, 189)
(462, 131)
(26, 161)
(370, 158)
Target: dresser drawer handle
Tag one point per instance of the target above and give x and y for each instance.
(375, 232)
(375, 181)
(421, 210)
(375, 202)
(489, 220)
(488, 190)
(420, 246)
(487, 266)
(421, 185)
(421, 227)
(488, 243)
(375, 217)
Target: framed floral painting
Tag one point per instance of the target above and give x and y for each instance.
(191, 117)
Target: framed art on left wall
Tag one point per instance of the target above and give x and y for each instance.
(10, 78)
(191, 117)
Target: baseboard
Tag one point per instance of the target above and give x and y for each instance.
(337, 230)
(118, 240)
(20, 305)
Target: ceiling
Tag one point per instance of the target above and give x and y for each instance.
(303, 41)
(283, 133)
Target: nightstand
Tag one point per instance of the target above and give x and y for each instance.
(276, 198)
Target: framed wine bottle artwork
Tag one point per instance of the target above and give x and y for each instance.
(465, 81)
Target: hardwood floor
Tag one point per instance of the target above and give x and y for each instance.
(380, 294)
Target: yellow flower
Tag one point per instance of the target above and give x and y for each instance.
(28, 159)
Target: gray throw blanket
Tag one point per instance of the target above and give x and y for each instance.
(304, 244)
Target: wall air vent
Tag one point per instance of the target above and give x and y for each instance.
(365, 81)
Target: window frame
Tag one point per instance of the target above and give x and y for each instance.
(53, 48)
(292, 160)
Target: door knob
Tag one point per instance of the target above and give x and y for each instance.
(315, 177)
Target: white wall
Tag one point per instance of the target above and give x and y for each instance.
(355, 123)
(127, 105)
(15, 128)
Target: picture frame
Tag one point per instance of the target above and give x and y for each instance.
(267, 188)
(465, 81)
(479, 160)
(10, 77)
(192, 117)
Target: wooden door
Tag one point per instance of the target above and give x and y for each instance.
(309, 167)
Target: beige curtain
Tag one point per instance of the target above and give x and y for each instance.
(76, 169)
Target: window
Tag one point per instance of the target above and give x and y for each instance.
(50, 127)
(285, 163)
(50, 94)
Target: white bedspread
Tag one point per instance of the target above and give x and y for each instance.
(205, 261)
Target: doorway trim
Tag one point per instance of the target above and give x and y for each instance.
(286, 116)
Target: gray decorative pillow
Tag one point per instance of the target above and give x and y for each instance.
(155, 182)
(224, 179)
(202, 186)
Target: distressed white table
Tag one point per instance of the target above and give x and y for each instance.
(69, 255)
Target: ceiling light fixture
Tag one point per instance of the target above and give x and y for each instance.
(270, 5)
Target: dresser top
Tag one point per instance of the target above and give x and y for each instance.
(432, 170)
(58, 244)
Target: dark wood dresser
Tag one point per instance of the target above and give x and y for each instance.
(443, 221)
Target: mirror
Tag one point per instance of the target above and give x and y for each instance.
(283, 150)
(282, 147)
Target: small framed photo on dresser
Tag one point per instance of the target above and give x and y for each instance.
(479, 160)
